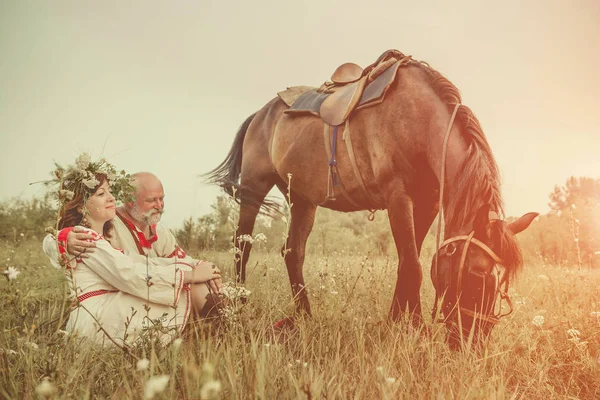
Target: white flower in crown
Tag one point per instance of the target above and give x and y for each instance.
(91, 183)
(82, 162)
(111, 177)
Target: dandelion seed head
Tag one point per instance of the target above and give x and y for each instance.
(45, 388)
(142, 364)
(177, 343)
(210, 390)
(155, 385)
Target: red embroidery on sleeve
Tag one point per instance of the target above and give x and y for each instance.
(177, 253)
(62, 239)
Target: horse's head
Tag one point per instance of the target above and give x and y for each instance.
(473, 273)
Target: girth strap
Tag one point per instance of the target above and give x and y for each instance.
(332, 168)
(348, 139)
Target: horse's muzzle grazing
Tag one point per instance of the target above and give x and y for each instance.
(471, 297)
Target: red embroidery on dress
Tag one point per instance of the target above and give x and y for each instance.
(177, 253)
(94, 293)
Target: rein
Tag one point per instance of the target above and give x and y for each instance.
(468, 239)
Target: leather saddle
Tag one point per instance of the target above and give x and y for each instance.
(351, 88)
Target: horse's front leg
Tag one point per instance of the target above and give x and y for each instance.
(302, 220)
(410, 274)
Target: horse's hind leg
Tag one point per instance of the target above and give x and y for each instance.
(303, 218)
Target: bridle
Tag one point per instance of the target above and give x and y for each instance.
(500, 292)
(494, 317)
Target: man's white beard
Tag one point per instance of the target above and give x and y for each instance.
(150, 217)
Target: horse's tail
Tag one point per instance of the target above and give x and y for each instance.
(227, 174)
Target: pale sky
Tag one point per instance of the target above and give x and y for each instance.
(163, 86)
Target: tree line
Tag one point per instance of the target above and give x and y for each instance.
(567, 235)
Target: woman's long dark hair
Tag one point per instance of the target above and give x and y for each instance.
(70, 213)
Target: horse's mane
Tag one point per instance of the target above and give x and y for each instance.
(478, 181)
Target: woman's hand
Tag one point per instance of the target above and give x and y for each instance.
(203, 272)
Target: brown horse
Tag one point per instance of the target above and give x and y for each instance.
(398, 149)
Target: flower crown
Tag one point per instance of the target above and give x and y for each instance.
(81, 177)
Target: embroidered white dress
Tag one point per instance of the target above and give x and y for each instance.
(125, 291)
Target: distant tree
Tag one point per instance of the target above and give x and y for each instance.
(570, 234)
(580, 191)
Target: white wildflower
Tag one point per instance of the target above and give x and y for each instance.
(65, 333)
(543, 277)
(538, 320)
(235, 250)
(597, 253)
(333, 292)
(390, 380)
(82, 162)
(380, 370)
(210, 390)
(11, 273)
(31, 345)
(8, 351)
(22, 234)
(177, 343)
(91, 183)
(260, 237)
(142, 364)
(45, 388)
(573, 333)
(235, 292)
(246, 238)
(595, 314)
(155, 385)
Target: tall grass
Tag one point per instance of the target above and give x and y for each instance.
(347, 350)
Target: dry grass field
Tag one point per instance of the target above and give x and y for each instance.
(548, 348)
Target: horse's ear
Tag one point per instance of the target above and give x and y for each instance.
(522, 223)
(481, 224)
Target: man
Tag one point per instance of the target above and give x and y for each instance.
(136, 229)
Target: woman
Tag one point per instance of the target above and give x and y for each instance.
(124, 295)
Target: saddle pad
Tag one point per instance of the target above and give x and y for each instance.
(291, 94)
(310, 102)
